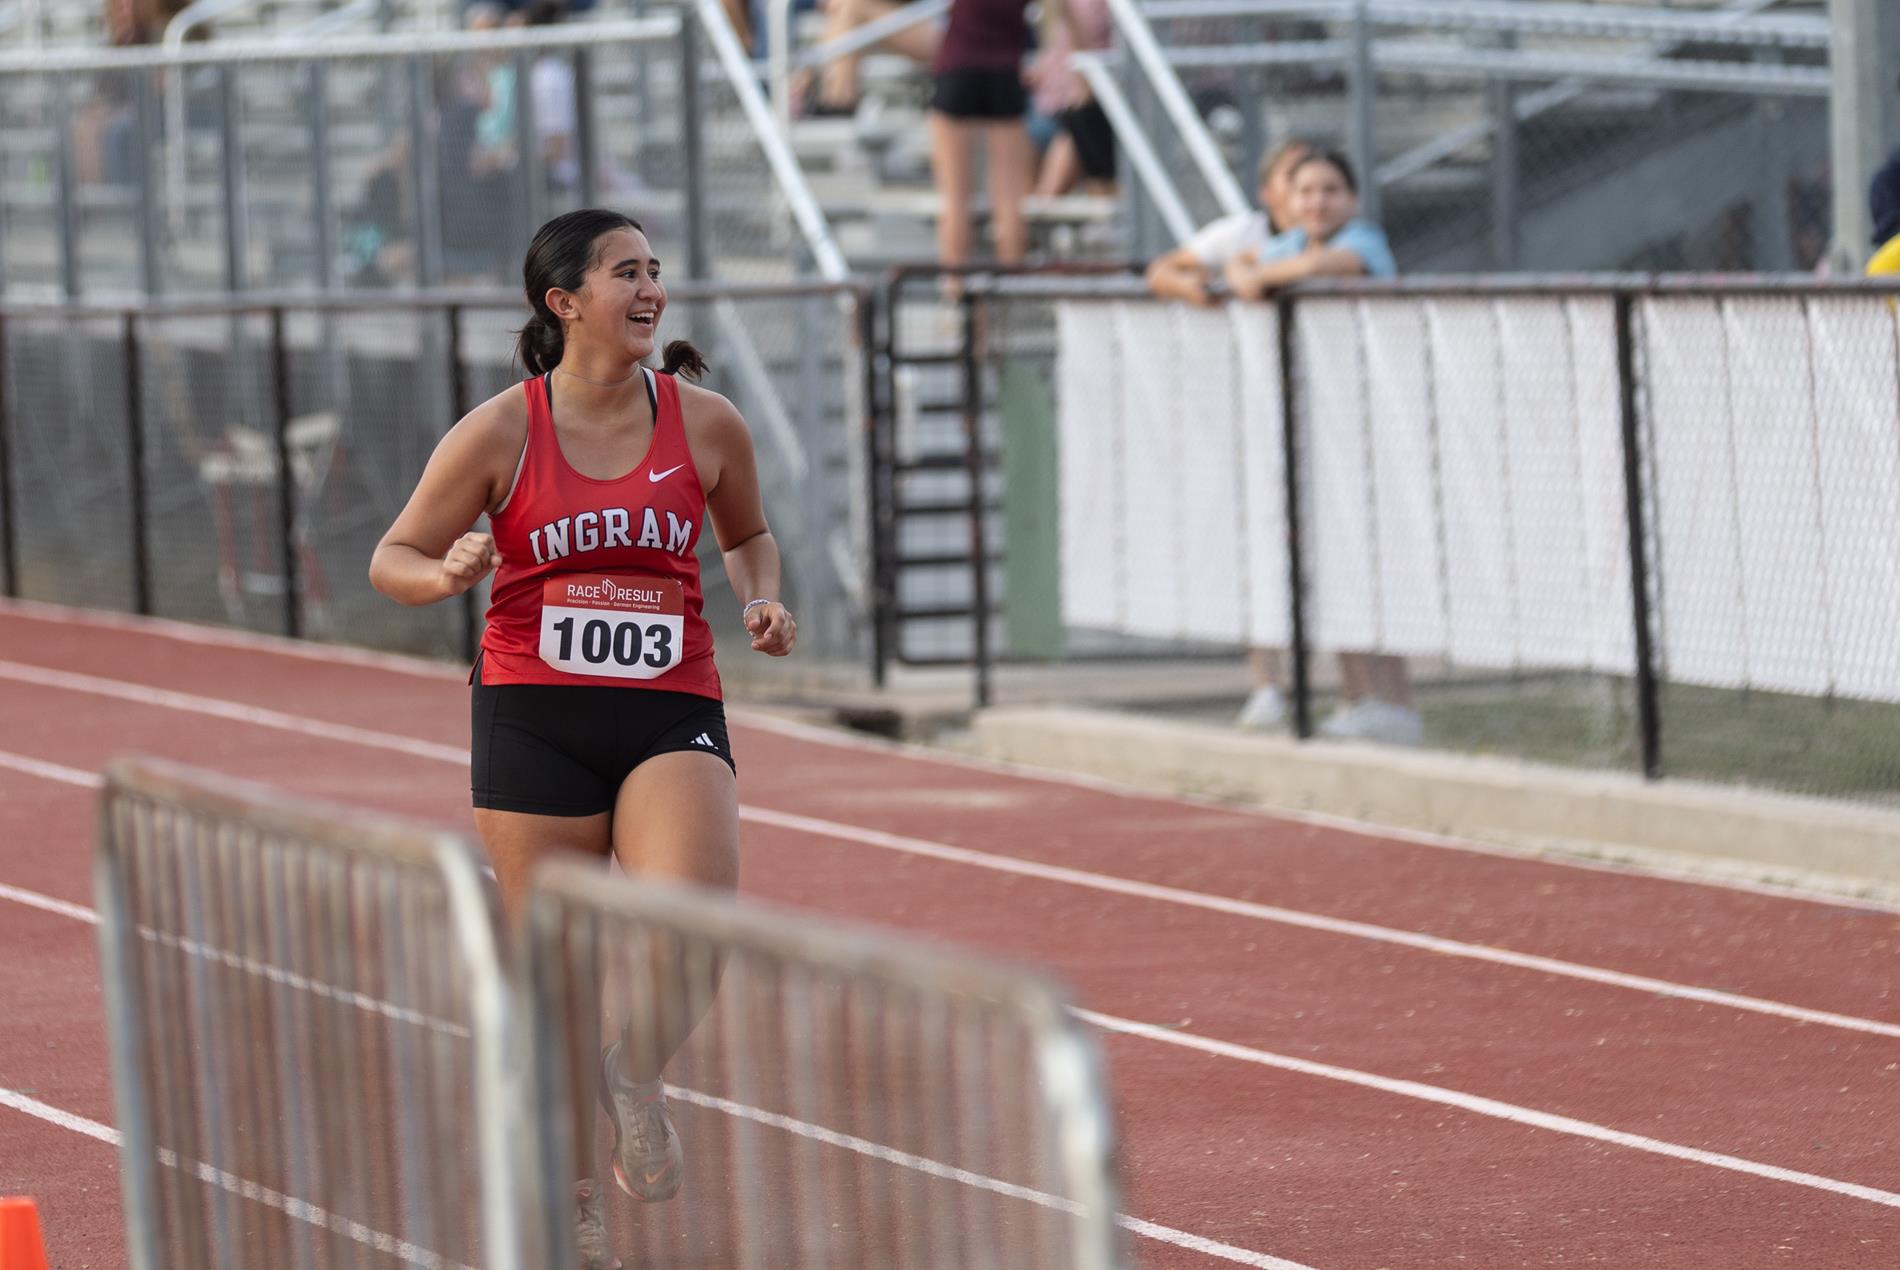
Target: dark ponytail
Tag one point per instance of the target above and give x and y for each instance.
(681, 358)
(562, 252)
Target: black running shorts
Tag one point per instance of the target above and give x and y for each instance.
(565, 749)
(981, 95)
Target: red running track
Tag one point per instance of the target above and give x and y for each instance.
(1329, 1047)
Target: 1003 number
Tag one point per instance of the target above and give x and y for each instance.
(626, 643)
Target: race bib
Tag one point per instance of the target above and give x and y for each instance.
(612, 624)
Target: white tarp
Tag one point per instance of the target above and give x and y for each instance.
(1462, 480)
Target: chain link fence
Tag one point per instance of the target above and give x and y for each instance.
(1467, 467)
(380, 161)
(237, 465)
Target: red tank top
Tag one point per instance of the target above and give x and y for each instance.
(598, 582)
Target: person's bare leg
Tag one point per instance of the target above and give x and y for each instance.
(1267, 666)
(515, 841)
(1012, 166)
(838, 85)
(950, 170)
(838, 81)
(1061, 167)
(677, 818)
(1355, 676)
(1389, 681)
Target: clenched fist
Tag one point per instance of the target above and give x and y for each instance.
(472, 558)
(772, 628)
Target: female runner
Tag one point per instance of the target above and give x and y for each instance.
(597, 723)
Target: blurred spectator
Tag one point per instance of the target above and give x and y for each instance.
(1083, 150)
(130, 22)
(1188, 272)
(1312, 195)
(105, 131)
(979, 92)
(376, 240)
(1325, 235)
(838, 81)
(105, 125)
(477, 184)
(1883, 202)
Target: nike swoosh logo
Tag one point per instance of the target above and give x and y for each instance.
(657, 477)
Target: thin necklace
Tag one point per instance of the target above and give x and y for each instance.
(600, 383)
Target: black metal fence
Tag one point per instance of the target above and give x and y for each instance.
(235, 460)
(1632, 522)
(1637, 523)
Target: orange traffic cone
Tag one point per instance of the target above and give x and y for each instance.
(20, 1245)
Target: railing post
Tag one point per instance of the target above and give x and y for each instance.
(286, 476)
(230, 176)
(693, 149)
(66, 187)
(135, 462)
(1364, 78)
(867, 314)
(9, 524)
(150, 203)
(1296, 572)
(586, 143)
(317, 98)
(1648, 718)
(458, 406)
(1506, 175)
(973, 463)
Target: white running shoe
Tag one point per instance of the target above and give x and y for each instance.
(1265, 710)
(1374, 720)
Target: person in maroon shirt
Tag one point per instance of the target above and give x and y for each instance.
(979, 92)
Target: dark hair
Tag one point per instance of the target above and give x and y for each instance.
(562, 252)
(1328, 155)
(1280, 153)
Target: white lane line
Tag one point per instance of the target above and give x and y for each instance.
(1310, 921)
(1487, 1107)
(1703, 874)
(933, 1168)
(1475, 1104)
(764, 721)
(232, 711)
(1248, 909)
(1148, 1229)
(50, 771)
(47, 904)
(225, 637)
(299, 1209)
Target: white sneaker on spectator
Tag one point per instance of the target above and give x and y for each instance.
(1264, 710)
(1375, 720)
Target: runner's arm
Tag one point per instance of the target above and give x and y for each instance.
(429, 553)
(746, 544)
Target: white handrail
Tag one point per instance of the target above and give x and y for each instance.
(1134, 141)
(778, 151)
(778, 54)
(1207, 158)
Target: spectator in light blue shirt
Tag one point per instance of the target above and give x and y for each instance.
(1325, 236)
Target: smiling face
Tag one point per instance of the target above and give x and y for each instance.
(1321, 200)
(1276, 186)
(618, 305)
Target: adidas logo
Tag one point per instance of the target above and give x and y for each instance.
(708, 742)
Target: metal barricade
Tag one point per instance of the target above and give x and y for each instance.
(846, 1100)
(307, 1019)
